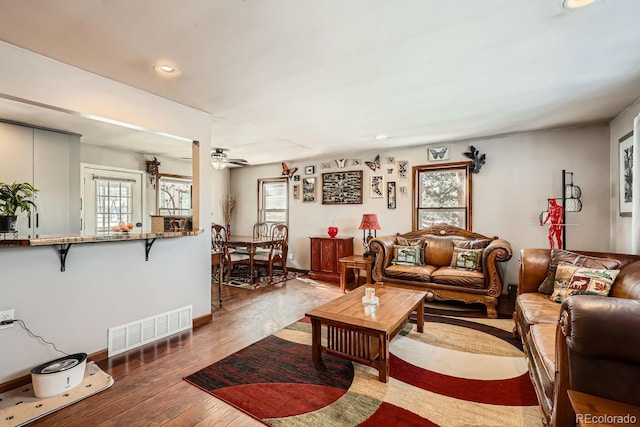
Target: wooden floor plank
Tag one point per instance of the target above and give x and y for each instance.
(149, 388)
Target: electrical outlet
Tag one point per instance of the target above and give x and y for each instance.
(6, 315)
(290, 256)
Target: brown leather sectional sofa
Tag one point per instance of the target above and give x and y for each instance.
(588, 343)
(441, 281)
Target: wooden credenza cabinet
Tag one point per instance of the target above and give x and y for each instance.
(325, 253)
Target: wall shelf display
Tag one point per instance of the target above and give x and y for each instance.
(309, 189)
(342, 188)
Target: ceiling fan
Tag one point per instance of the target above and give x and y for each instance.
(219, 160)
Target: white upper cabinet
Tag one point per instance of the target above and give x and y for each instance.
(51, 162)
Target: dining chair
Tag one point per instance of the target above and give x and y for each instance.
(278, 249)
(260, 229)
(219, 246)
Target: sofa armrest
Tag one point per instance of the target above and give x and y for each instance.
(382, 246)
(499, 250)
(534, 267)
(602, 327)
(597, 351)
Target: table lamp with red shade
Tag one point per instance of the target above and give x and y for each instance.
(369, 222)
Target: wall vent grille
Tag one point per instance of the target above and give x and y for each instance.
(135, 334)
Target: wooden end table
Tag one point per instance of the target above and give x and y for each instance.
(357, 263)
(362, 332)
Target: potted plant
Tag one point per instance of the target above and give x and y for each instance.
(13, 198)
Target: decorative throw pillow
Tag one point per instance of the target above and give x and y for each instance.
(567, 257)
(468, 259)
(571, 280)
(420, 243)
(471, 244)
(406, 255)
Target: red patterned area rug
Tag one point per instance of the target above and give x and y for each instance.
(459, 372)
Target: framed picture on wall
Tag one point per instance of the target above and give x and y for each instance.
(625, 167)
(296, 192)
(376, 187)
(391, 195)
(309, 189)
(342, 188)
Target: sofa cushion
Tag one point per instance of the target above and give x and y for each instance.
(421, 273)
(459, 277)
(571, 280)
(542, 347)
(568, 257)
(536, 308)
(471, 244)
(468, 259)
(420, 243)
(406, 255)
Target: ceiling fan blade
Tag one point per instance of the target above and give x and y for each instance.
(239, 162)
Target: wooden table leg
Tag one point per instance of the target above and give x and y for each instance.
(383, 363)
(357, 275)
(343, 277)
(420, 316)
(252, 251)
(369, 269)
(316, 342)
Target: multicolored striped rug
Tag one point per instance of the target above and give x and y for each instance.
(459, 372)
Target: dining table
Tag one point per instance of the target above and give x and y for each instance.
(251, 243)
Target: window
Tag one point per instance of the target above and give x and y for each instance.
(114, 203)
(273, 200)
(442, 193)
(110, 196)
(174, 195)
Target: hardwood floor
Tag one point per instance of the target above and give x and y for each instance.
(149, 389)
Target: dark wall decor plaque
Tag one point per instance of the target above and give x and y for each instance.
(342, 188)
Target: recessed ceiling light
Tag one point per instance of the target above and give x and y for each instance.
(166, 70)
(381, 137)
(575, 4)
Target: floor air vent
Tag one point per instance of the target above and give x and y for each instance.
(126, 337)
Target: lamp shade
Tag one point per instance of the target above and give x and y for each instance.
(217, 164)
(369, 222)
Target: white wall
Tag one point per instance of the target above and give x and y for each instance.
(620, 226)
(521, 172)
(106, 284)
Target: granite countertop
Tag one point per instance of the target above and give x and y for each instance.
(11, 240)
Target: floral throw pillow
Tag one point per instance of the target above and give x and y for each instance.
(406, 255)
(468, 259)
(572, 279)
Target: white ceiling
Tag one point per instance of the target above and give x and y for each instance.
(293, 79)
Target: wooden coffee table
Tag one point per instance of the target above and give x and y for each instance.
(362, 332)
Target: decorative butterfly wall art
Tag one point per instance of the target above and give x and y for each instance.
(438, 153)
(375, 164)
(287, 171)
(341, 162)
(355, 162)
(477, 160)
(326, 166)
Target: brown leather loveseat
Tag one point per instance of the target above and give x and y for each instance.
(587, 343)
(435, 272)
